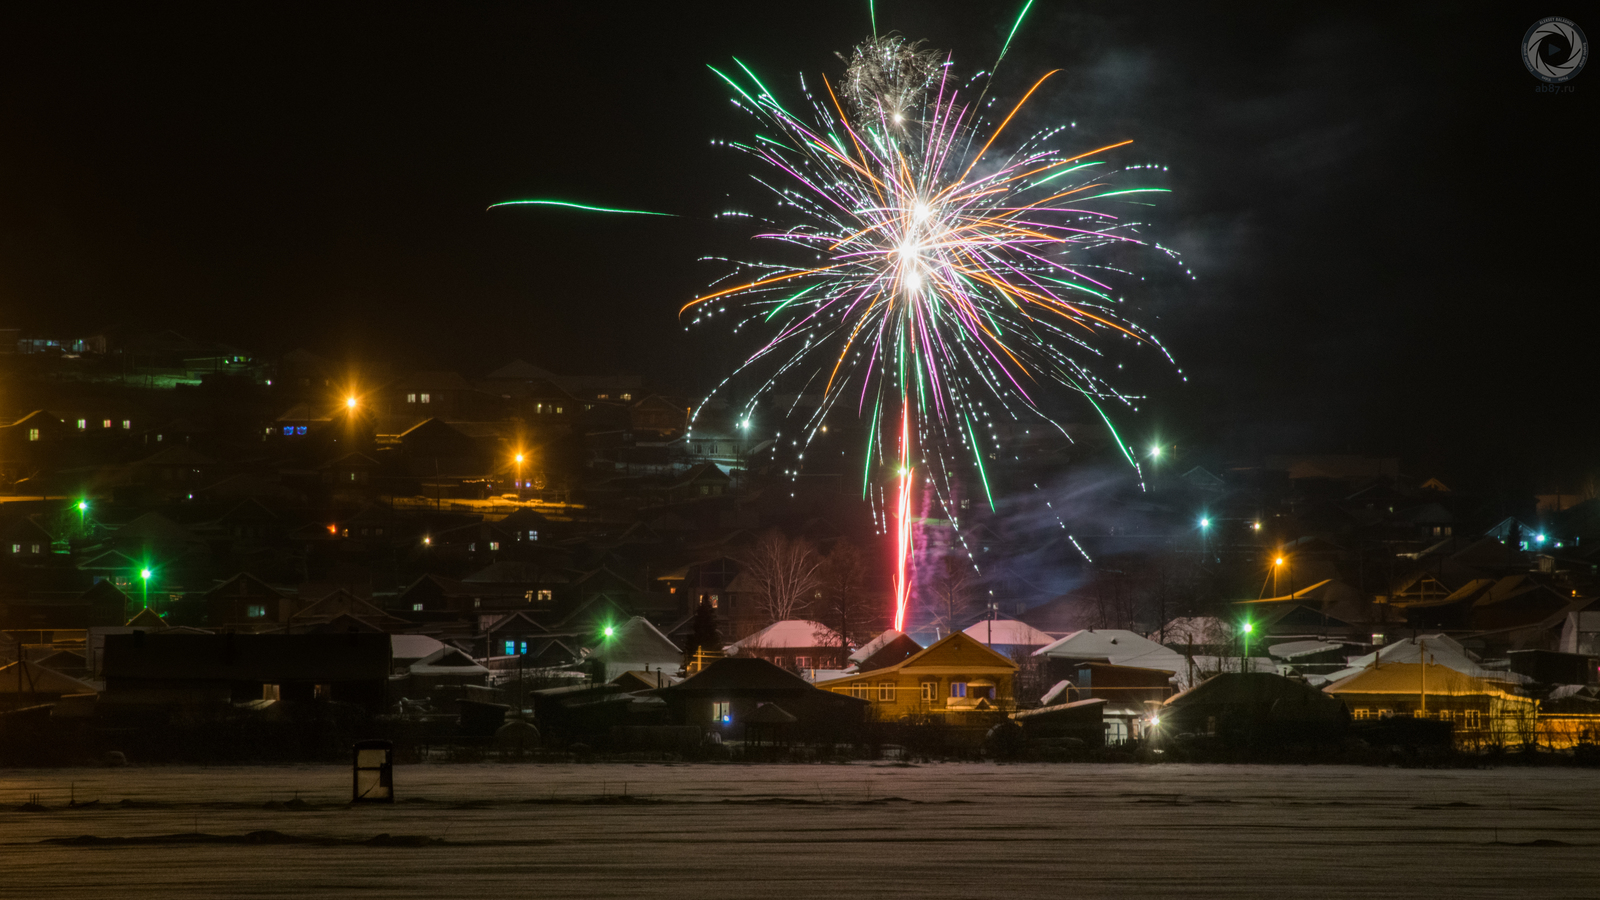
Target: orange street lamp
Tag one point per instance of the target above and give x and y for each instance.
(350, 403)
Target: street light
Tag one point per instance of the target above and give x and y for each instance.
(145, 575)
(1244, 653)
(350, 402)
(519, 476)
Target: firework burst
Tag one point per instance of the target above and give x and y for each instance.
(954, 275)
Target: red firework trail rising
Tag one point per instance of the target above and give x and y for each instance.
(902, 586)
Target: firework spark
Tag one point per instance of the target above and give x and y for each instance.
(955, 274)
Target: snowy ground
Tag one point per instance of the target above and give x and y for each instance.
(852, 831)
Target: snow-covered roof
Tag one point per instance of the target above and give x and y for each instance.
(1055, 693)
(1294, 649)
(1009, 632)
(413, 646)
(638, 641)
(1440, 649)
(447, 661)
(784, 634)
(1415, 678)
(1118, 647)
(874, 645)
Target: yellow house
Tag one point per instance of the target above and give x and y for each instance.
(955, 679)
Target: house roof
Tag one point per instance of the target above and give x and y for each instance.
(1441, 650)
(1114, 645)
(874, 645)
(637, 641)
(413, 646)
(446, 661)
(1415, 679)
(769, 714)
(25, 677)
(1008, 632)
(734, 673)
(955, 653)
(785, 634)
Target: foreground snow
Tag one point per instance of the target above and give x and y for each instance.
(859, 830)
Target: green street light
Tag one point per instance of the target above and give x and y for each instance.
(145, 575)
(83, 506)
(609, 631)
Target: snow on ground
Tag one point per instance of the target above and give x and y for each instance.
(860, 830)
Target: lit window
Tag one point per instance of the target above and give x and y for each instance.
(930, 690)
(1473, 717)
(627, 396)
(33, 434)
(722, 711)
(958, 689)
(858, 690)
(427, 398)
(602, 396)
(83, 424)
(35, 549)
(886, 692)
(106, 424)
(533, 535)
(511, 648)
(715, 600)
(416, 607)
(558, 410)
(411, 398)
(1361, 714)
(255, 611)
(477, 602)
(522, 646)
(298, 429)
(16, 548)
(288, 429)
(352, 476)
(494, 545)
(547, 595)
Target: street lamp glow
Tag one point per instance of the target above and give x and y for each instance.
(519, 457)
(350, 402)
(145, 574)
(1248, 628)
(1155, 452)
(83, 505)
(1278, 561)
(609, 631)
(1205, 523)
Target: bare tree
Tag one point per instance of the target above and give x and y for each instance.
(842, 602)
(952, 601)
(784, 573)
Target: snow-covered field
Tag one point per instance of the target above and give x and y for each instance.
(842, 831)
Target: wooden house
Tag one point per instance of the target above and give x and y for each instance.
(957, 679)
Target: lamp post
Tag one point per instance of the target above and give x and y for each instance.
(144, 575)
(519, 476)
(1244, 650)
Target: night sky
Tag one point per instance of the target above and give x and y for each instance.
(1390, 226)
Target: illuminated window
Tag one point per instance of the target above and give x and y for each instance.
(106, 424)
(127, 424)
(352, 476)
(627, 396)
(427, 398)
(82, 424)
(858, 690)
(477, 602)
(546, 596)
(35, 549)
(288, 429)
(602, 396)
(722, 711)
(511, 648)
(715, 600)
(494, 545)
(1361, 714)
(533, 535)
(1472, 719)
(411, 398)
(558, 410)
(16, 548)
(958, 689)
(472, 547)
(33, 434)
(886, 692)
(255, 611)
(298, 429)
(930, 690)
(416, 607)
